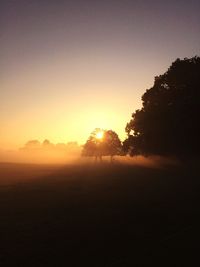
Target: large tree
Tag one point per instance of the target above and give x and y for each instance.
(102, 143)
(168, 122)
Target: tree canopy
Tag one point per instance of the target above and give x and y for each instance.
(102, 143)
(168, 123)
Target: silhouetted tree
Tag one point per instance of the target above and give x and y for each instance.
(112, 144)
(102, 143)
(47, 144)
(32, 144)
(167, 123)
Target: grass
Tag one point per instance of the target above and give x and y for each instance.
(98, 215)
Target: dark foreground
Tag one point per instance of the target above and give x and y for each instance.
(99, 215)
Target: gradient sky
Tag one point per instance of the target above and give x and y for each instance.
(68, 67)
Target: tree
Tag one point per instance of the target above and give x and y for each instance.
(47, 145)
(112, 144)
(102, 143)
(167, 123)
(32, 145)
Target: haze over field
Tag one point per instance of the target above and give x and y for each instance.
(38, 152)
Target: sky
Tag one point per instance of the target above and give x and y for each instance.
(67, 67)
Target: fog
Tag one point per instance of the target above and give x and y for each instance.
(150, 161)
(73, 156)
(38, 157)
(46, 152)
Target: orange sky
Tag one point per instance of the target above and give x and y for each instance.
(61, 118)
(72, 66)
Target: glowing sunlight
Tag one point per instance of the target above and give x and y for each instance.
(100, 135)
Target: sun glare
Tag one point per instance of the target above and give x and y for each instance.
(99, 135)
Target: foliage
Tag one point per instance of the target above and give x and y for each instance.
(108, 145)
(167, 123)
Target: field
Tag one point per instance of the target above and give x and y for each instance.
(99, 215)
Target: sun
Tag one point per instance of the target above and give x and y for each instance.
(99, 135)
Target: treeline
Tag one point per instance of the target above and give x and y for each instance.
(46, 145)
